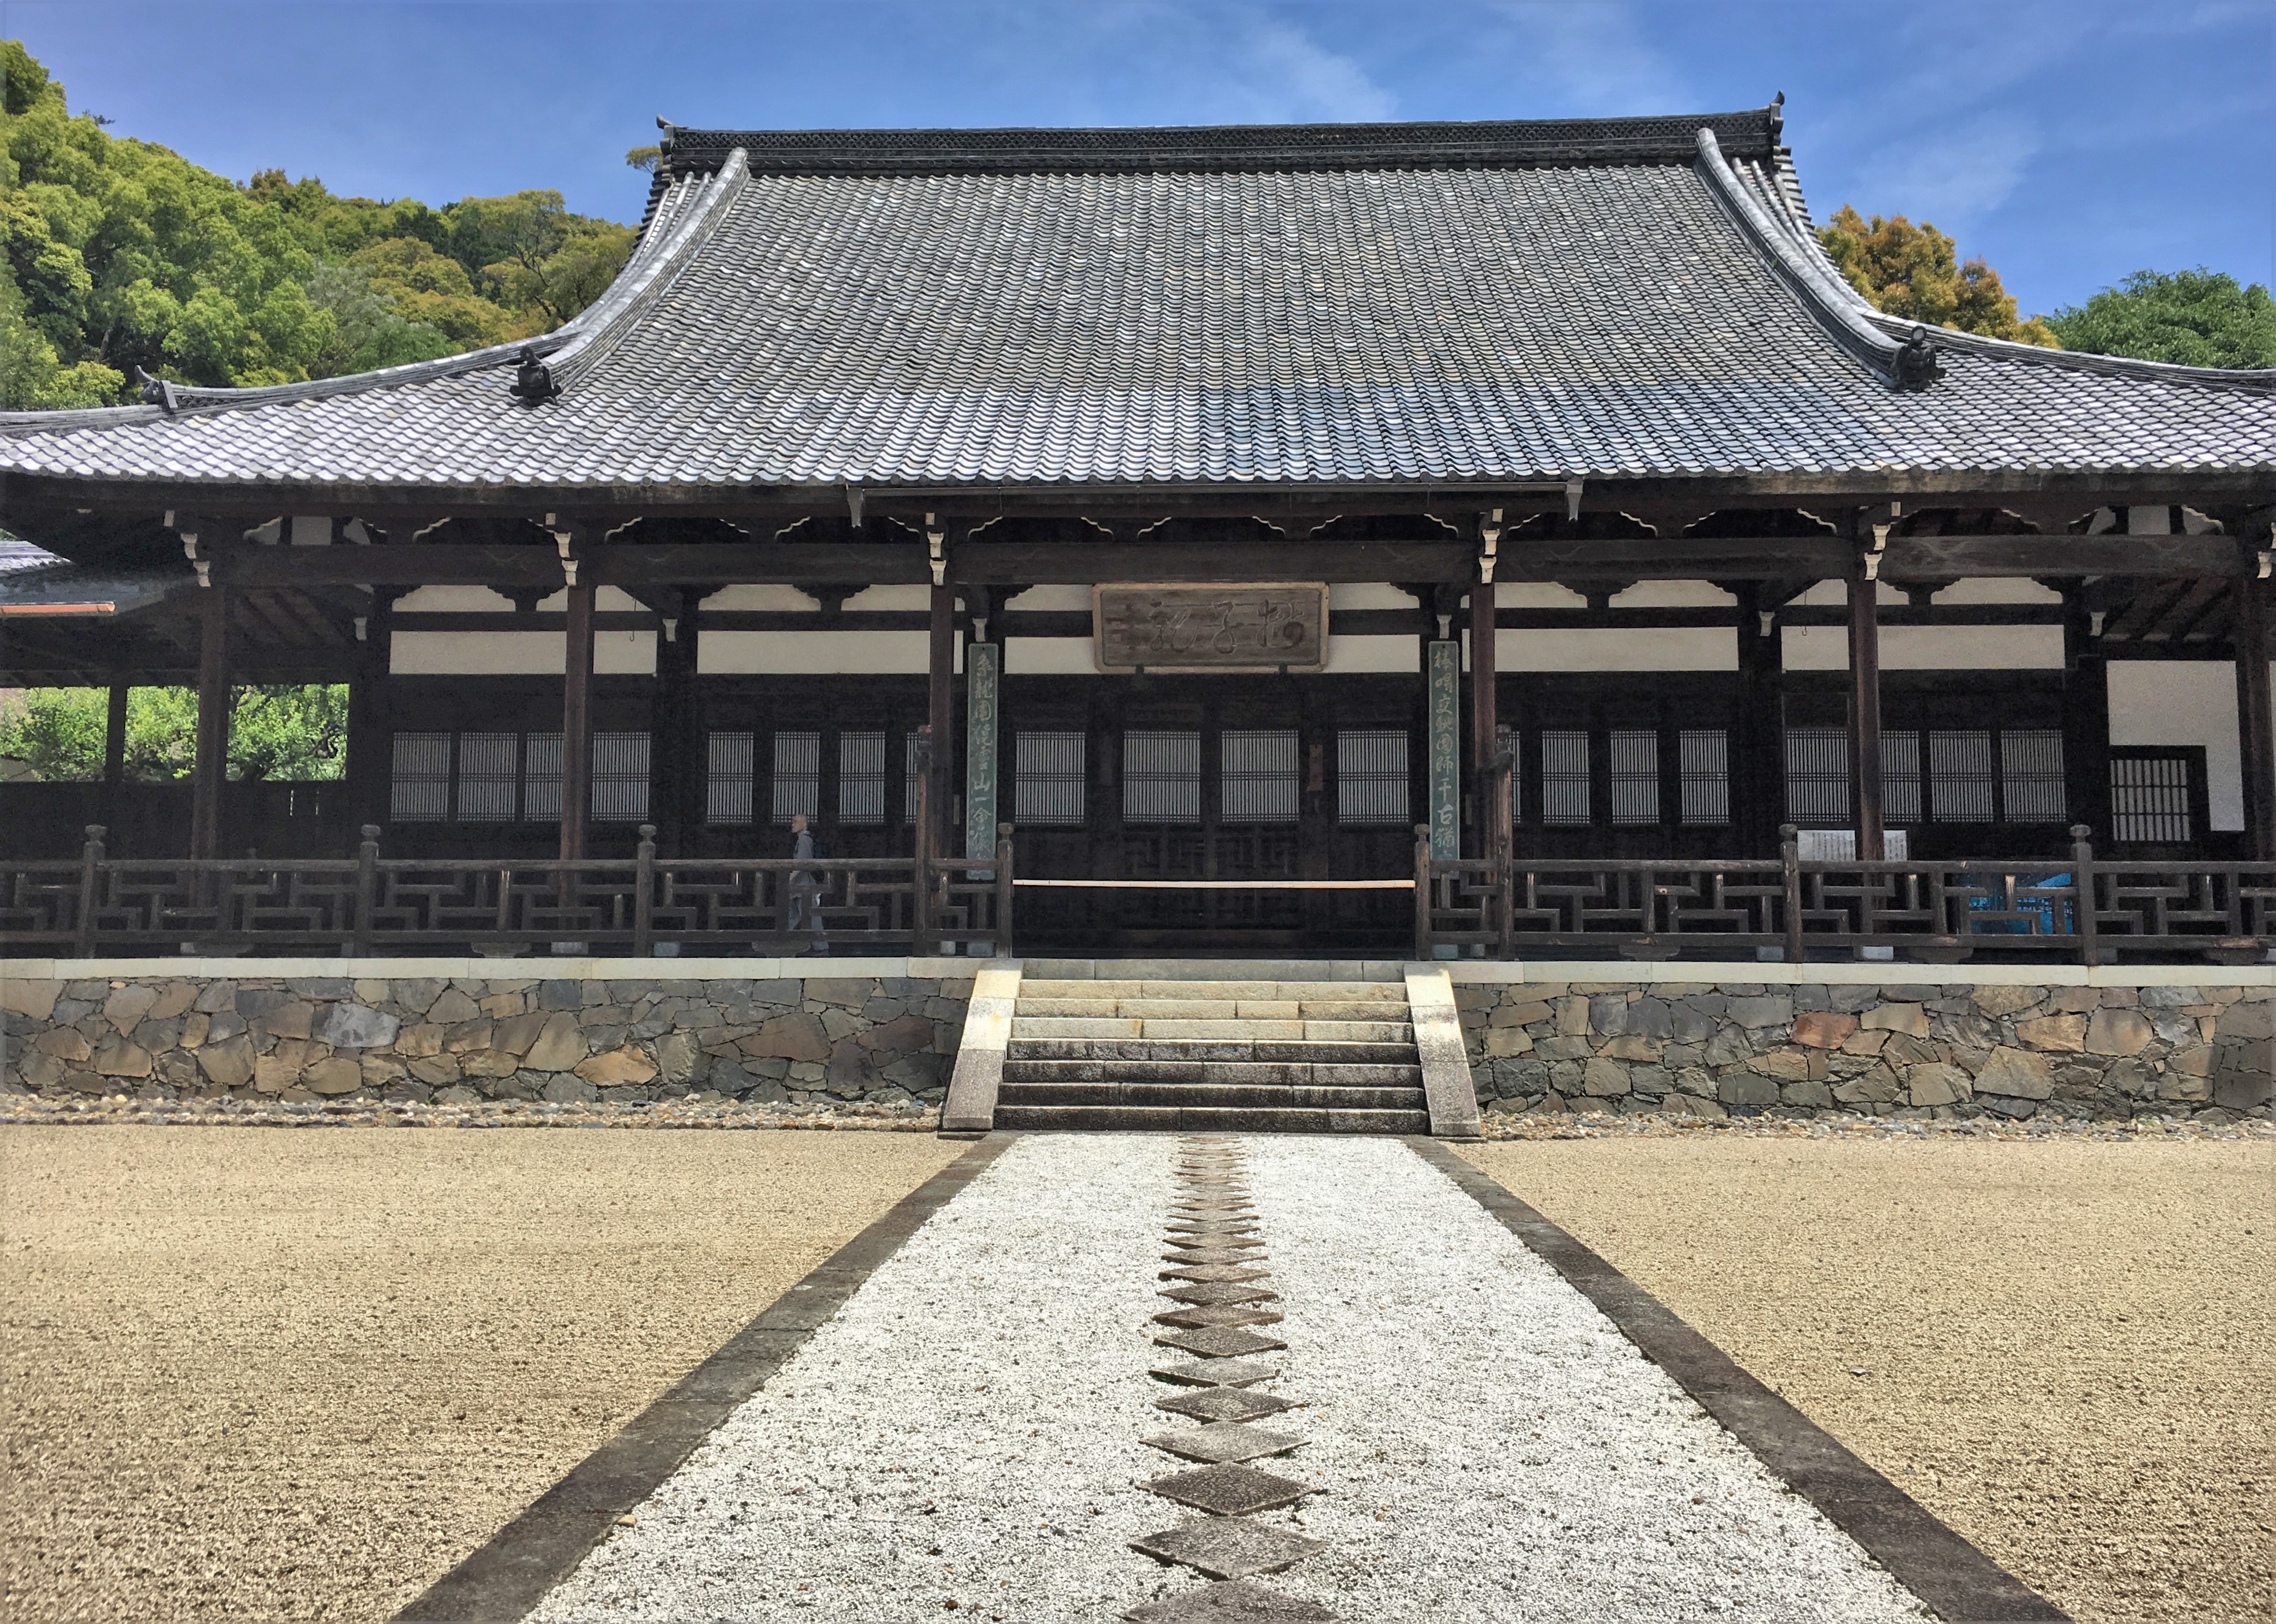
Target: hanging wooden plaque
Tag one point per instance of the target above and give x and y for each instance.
(1250, 626)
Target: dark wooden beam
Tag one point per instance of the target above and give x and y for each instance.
(577, 724)
(1865, 713)
(211, 770)
(2255, 717)
(2085, 718)
(940, 712)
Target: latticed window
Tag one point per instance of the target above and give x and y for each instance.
(1256, 776)
(1900, 778)
(1636, 775)
(1960, 776)
(2031, 789)
(1564, 777)
(1703, 759)
(861, 777)
(1161, 777)
(540, 778)
(796, 787)
(909, 777)
(419, 786)
(1047, 778)
(1371, 781)
(490, 777)
(1818, 777)
(728, 760)
(620, 777)
(2152, 799)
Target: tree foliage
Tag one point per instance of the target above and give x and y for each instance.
(2195, 318)
(1915, 272)
(117, 253)
(282, 732)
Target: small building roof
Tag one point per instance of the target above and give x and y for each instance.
(1366, 304)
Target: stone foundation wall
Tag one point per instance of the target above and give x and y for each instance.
(1738, 1048)
(883, 1039)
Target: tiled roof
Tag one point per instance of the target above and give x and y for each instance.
(1435, 303)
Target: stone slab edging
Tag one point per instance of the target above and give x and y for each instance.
(970, 1109)
(505, 1578)
(536, 967)
(1959, 1583)
(1447, 1086)
(1885, 973)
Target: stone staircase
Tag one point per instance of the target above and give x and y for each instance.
(1238, 1046)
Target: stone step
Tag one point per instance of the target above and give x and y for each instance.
(1213, 1009)
(1026, 1026)
(1153, 1095)
(1336, 991)
(1392, 971)
(1210, 1118)
(1295, 1050)
(1258, 1074)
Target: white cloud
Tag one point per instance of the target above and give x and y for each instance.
(1597, 54)
(1311, 81)
(1958, 175)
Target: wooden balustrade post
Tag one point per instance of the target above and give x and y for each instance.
(2082, 875)
(1003, 889)
(1422, 891)
(90, 869)
(644, 894)
(1790, 859)
(367, 891)
(921, 875)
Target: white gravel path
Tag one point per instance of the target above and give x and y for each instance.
(1491, 1446)
(967, 1427)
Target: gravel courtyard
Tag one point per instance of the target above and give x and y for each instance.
(296, 1375)
(2067, 1348)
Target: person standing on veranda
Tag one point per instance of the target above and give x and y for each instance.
(805, 887)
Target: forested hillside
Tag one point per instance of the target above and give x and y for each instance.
(120, 255)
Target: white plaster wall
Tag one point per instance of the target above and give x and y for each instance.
(606, 600)
(1931, 648)
(1371, 595)
(1373, 652)
(1705, 648)
(778, 599)
(2184, 702)
(1674, 595)
(454, 600)
(1052, 600)
(526, 654)
(818, 654)
(1997, 590)
(1048, 656)
(891, 597)
(1536, 594)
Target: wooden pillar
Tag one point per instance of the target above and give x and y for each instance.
(675, 729)
(211, 770)
(2255, 719)
(368, 768)
(2085, 717)
(1484, 721)
(1865, 713)
(577, 725)
(114, 757)
(940, 701)
(1758, 764)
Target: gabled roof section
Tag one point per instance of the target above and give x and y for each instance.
(1296, 305)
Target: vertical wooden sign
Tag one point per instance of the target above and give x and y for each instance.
(1445, 751)
(983, 665)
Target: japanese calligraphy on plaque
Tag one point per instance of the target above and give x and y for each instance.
(1253, 627)
(1445, 690)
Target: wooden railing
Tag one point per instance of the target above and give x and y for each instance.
(372, 905)
(2078, 906)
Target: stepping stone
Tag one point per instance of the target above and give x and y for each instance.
(1225, 1404)
(1228, 1547)
(1224, 1440)
(1239, 1229)
(1235, 1602)
(1219, 1291)
(1250, 1271)
(1216, 1372)
(1217, 1314)
(1214, 1254)
(1219, 1341)
(1223, 1243)
(1230, 1491)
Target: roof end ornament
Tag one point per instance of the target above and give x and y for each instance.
(1778, 117)
(533, 379)
(1914, 365)
(157, 391)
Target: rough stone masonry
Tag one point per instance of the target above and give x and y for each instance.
(880, 1039)
(1945, 1051)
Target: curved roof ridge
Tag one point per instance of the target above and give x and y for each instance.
(1542, 142)
(1808, 276)
(650, 255)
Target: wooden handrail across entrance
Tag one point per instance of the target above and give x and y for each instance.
(1227, 884)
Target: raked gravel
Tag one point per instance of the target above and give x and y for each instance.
(1491, 1446)
(966, 1429)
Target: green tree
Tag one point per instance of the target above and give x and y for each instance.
(280, 732)
(2195, 318)
(540, 259)
(1915, 272)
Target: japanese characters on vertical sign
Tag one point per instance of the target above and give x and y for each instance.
(1445, 667)
(982, 667)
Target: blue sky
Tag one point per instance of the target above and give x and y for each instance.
(2070, 142)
